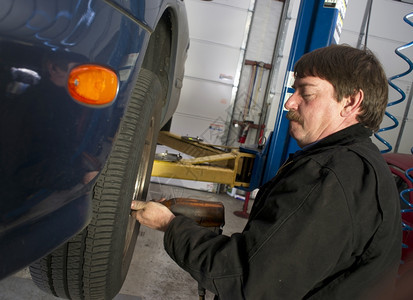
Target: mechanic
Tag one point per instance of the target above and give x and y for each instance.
(328, 225)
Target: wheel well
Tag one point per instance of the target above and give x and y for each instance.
(158, 54)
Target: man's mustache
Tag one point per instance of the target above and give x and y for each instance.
(293, 116)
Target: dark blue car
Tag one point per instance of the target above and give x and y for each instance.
(85, 86)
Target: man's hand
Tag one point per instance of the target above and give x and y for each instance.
(152, 214)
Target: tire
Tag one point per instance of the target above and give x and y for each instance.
(94, 264)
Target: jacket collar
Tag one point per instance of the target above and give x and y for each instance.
(345, 136)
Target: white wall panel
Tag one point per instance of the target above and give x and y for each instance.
(218, 24)
(244, 4)
(263, 33)
(211, 62)
(407, 140)
(205, 99)
(387, 20)
(354, 16)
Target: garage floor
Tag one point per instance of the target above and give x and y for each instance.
(152, 274)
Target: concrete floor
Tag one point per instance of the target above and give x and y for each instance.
(152, 274)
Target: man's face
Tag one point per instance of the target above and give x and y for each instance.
(314, 112)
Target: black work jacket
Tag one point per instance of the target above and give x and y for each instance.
(327, 226)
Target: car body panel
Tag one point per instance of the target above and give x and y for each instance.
(51, 146)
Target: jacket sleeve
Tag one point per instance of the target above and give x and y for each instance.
(297, 236)
(209, 258)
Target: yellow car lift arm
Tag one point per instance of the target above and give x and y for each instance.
(209, 163)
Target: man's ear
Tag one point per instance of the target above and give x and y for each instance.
(351, 104)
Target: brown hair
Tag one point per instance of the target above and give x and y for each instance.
(350, 70)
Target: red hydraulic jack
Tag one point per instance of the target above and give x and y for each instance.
(243, 213)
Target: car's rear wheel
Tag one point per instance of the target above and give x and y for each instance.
(94, 264)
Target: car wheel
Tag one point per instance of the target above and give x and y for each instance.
(94, 264)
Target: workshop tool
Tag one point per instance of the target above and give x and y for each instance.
(205, 213)
(209, 214)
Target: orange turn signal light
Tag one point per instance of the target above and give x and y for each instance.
(93, 84)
